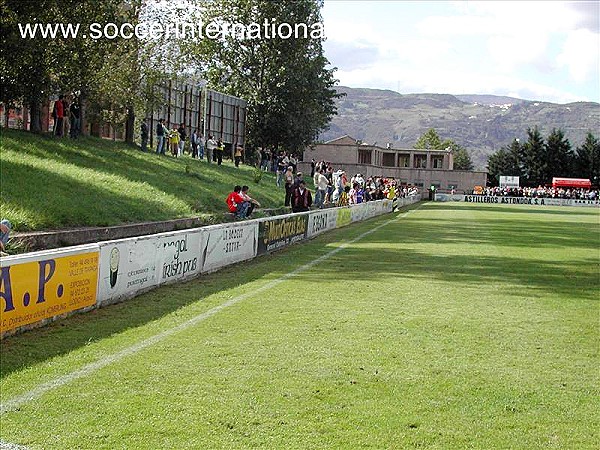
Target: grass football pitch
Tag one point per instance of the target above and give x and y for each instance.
(443, 326)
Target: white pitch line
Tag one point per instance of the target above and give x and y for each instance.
(9, 446)
(16, 402)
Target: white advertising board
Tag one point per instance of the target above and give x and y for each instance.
(178, 255)
(528, 201)
(228, 244)
(373, 209)
(127, 266)
(358, 212)
(320, 221)
(448, 197)
(509, 182)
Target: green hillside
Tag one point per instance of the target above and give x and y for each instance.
(49, 183)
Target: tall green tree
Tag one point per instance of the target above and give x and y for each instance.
(560, 159)
(286, 82)
(587, 159)
(430, 140)
(505, 162)
(533, 157)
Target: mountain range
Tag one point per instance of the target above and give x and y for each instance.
(480, 123)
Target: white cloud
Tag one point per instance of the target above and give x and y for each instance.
(580, 55)
(535, 49)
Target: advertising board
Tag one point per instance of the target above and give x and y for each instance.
(40, 286)
(127, 266)
(228, 244)
(281, 231)
(178, 255)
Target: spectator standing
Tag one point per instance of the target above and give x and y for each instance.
(144, 135)
(219, 151)
(200, 146)
(264, 159)
(194, 143)
(66, 125)
(289, 185)
(280, 169)
(211, 145)
(301, 198)
(5, 227)
(299, 177)
(293, 162)
(313, 165)
(174, 141)
(321, 184)
(343, 198)
(330, 186)
(160, 137)
(182, 138)
(59, 113)
(75, 112)
(238, 157)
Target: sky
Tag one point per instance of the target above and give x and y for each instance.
(545, 51)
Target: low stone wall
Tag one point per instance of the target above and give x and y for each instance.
(45, 240)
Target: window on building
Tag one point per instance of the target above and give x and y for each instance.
(388, 159)
(420, 162)
(403, 160)
(364, 156)
(437, 162)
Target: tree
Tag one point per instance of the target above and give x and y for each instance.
(462, 159)
(560, 159)
(286, 82)
(430, 140)
(505, 162)
(587, 160)
(533, 157)
(37, 68)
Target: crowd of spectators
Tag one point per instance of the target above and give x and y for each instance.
(331, 188)
(542, 192)
(337, 188)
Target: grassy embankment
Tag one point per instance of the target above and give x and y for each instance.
(49, 183)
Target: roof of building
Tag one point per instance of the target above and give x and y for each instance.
(349, 140)
(343, 140)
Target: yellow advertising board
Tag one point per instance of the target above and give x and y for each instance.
(344, 217)
(36, 290)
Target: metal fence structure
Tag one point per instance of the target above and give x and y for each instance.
(199, 108)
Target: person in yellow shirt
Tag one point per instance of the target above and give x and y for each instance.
(343, 199)
(174, 140)
(391, 195)
(239, 150)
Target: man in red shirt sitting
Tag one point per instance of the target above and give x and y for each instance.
(237, 204)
